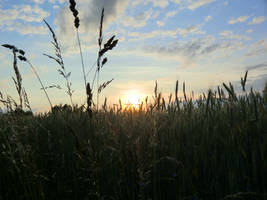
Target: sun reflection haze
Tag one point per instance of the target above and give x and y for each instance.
(132, 99)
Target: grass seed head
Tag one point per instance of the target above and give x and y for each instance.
(75, 13)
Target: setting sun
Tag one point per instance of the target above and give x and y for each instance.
(132, 99)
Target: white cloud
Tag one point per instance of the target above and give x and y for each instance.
(240, 19)
(38, 1)
(26, 29)
(171, 13)
(166, 33)
(208, 18)
(230, 35)
(167, 16)
(257, 20)
(176, 1)
(160, 23)
(196, 4)
(55, 6)
(189, 52)
(249, 31)
(184, 4)
(160, 3)
(55, 1)
(20, 17)
(140, 20)
(258, 48)
(257, 66)
(26, 13)
(155, 3)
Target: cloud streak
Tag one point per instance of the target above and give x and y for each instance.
(195, 29)
(240, 19)
(26, 13)
(257, 20)
(258, 48)
(189, 52)
(199, 3)
(258, 66)
(230, 35)
(26, 29)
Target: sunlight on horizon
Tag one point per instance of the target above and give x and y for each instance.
(132, 99)
(203, 43)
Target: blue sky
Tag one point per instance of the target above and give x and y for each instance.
(201, 42)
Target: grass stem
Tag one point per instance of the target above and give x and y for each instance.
(79, 43)
(39, 79)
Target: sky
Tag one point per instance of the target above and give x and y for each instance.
(200, 42)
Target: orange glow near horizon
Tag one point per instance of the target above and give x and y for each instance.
(132, 99)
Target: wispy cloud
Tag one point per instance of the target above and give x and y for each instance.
(140, 20)
(240, 19)
(166, 33)
(26, 29)
(257, 66)
(20, 17)
(196, 4)
(167, 16)
(39, 1)
(183, 4)
(208, 18)
(160, 3)
(230, 35)
(26, 13)
(189, 52)
(258, 48)
(160, 23)
(55, 6)
(257, 20)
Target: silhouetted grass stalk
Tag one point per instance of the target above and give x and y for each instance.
(109, 45)
(18, 81)
(81, 55)
(39, 79)
(77, 24)
(58, 58)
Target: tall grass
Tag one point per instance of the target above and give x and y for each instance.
(212, 148)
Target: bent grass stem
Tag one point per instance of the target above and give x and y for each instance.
(39, 79)
(79, 43)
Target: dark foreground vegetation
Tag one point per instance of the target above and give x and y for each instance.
(211, 148)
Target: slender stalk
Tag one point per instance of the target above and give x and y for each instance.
(97, 88)
(91, 68)
(94, 79)
(79, 43)
(39, 79)
(58, 58)
(18, 77)
(69, 90)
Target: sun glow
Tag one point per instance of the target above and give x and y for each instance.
(132, 99)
